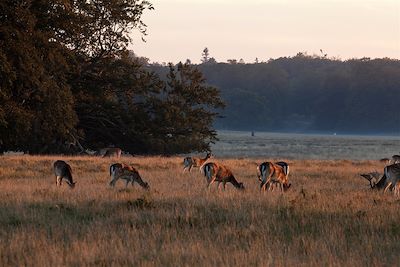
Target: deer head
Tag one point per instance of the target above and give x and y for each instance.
(286, 187)
(372, 177)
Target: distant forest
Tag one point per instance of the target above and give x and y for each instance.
(308, 94)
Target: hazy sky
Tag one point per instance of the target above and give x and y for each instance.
(231, 29)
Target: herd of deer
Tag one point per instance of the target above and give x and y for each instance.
(269, 174)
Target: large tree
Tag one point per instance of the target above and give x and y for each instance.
(189, 109)
(68, 82)
(37, 103)
(51, 52)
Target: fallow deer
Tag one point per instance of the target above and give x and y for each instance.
(219, 173)
(62, 170)
(285, 167)
(269, 173)
(395, 159)
(112, 152)
(389, 180)
(127, 173)
(190, 162)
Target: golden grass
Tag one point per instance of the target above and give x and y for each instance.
(328, 217)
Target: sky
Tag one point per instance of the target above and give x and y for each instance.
(264, 29)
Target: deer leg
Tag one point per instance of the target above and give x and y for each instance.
(112, 182)
(269, 185)
(212, 180)
(387, 187)
(58, 182)
(224, 183)
(126, 183)
(261, 186)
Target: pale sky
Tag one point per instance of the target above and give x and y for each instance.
(264, 29)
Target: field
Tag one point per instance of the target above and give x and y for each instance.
(305, 146)
(328, 217)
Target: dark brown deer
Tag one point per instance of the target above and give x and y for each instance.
(62, 170)
(219, 173)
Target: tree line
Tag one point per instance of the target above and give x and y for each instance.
(68, 83)
(308, 93)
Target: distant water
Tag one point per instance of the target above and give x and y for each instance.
(305, 146)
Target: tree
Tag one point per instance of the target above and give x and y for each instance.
(188, 111)
(50, 53)
(37, 103)
(205, 56)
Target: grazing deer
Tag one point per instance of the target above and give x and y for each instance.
(126, 172)
(219, 173)
(112, 152)
(285, 167)
(395, 159)
(190, 162)
(63, 170)
(269, 173)
(389, 180)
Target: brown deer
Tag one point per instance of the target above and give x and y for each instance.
(126, 172)
(190, 162)
(269, 173)
(112, 152)
(389, 180)
(62, 170)
(219, 173)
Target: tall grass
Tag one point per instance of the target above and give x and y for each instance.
(328, 217)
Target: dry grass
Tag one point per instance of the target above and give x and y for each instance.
(329, 218)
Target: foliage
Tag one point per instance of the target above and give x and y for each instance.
(68, 82)
(309, 94)
(189, 109)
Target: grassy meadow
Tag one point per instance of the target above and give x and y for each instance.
(328, 217)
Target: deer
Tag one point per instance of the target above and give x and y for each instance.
(269, 173)
(389, 180)
(285, 167)
(395, 159)
(63, 170)
(112, 152)
(127, 173)
(219, 173)
(190, 162)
